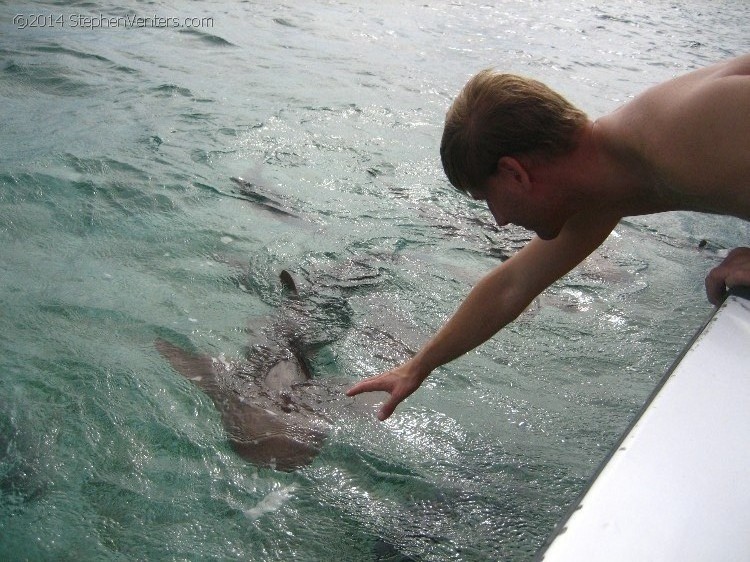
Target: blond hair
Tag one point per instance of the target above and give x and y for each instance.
(499, 115)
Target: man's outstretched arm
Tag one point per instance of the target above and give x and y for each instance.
(497, 299)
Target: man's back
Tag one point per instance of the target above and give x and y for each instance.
(691, 136)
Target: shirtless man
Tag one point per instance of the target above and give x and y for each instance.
(540, 163)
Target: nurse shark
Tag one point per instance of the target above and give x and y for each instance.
(275, 413)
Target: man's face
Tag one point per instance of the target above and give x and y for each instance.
(509, 203)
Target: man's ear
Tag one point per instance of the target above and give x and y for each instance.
(512, 169)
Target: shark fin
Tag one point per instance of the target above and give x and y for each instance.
(288, 282)
(198, 369)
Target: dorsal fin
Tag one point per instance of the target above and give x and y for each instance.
(288, 281)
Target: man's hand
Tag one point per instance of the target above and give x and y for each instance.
(734, 271)
(399, 383)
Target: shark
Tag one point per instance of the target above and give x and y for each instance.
(275, 413)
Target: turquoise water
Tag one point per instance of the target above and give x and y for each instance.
(119, 224)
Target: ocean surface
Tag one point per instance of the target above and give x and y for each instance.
(121, 126)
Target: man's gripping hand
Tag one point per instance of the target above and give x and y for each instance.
(734, 271)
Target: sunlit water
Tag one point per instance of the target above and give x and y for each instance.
(119, 224)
